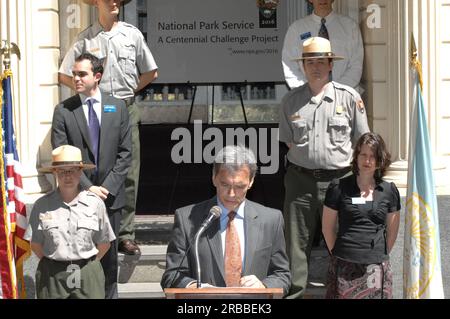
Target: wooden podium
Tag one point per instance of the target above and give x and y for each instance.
(223, 293)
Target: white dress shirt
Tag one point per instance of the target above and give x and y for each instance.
(97, 106)
(346, 41)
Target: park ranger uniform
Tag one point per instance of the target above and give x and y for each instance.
(346, 40)
(126, 56)
(322, 131)
(69, 233)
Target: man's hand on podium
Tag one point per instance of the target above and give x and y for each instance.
(251, 282)
(203, 285)
(247, 281)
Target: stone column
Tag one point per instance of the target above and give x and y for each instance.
(386, 78)
(74, 17)
(35, 27)
(423, 19)
(30, 25)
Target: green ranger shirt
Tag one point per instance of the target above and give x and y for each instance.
(322, 131)
(125, 52)
(69, 231)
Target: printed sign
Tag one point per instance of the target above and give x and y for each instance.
(212, 41)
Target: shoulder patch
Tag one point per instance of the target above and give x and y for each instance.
(360, 105)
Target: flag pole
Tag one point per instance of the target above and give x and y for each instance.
(415, 61)
(6, 227)
(17, 249)
(422, 274)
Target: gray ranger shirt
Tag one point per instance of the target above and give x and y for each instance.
(125, 52)
(69, 231)
(322, 132)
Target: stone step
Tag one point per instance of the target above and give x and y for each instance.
(147, 290)
(153, 229)
(145, 268)
(148, 252)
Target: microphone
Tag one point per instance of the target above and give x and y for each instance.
(214, 213)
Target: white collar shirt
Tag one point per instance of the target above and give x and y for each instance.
(346, 41)
(97, 98)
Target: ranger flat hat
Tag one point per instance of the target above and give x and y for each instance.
(91, 2)
(66, 156)
(317, 48)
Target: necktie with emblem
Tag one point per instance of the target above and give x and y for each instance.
(94, 128)
(233, 259)
(323, 32)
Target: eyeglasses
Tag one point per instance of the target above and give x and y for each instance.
(71, 171)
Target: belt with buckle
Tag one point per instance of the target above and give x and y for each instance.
(320, 173)
(129, 100)
(79, 262)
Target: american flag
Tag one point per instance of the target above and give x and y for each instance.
(13, 222)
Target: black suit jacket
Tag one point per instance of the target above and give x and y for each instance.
(70, 126)
(265, 250)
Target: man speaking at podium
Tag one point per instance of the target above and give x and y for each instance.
(243, 247)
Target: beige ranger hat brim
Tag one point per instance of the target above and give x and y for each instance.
(66, 156)
(91, 2)
(317, 48)
(49, 169)
(319, 55)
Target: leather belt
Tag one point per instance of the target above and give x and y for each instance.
(320, 173)
(129, 101)
(79, 262)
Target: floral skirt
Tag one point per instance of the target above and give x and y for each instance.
(347, 280)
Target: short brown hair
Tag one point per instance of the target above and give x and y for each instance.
(378, 147)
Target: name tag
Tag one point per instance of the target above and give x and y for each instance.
(305, 35)
(358, 200)
(109, 108)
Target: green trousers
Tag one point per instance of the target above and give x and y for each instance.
(55, 280)
(132, 181)
(304, 196)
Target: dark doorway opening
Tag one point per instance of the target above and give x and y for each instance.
(165, 186)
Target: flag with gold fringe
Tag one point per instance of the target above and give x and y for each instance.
(422, 277)
(13, 248)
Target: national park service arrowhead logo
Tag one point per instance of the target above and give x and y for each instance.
(267, 13)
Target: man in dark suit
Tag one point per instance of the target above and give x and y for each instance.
(245, 229)
(98, 125)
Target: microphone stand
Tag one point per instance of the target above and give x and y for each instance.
(197, 258)
(214, 213)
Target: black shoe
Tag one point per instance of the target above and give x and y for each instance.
(129, 247)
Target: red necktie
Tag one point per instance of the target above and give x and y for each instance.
(233, 259)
